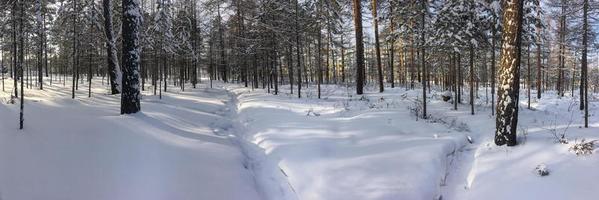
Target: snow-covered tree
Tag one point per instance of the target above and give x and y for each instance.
(132, 21)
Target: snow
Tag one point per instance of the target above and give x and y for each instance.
(232, 142)
(83, 148)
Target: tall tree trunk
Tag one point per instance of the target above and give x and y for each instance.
(130, 98)
(40, 34)
(472, 66)
(223, 62)
(472, 79)
(359, 46)
(318, 59)
(455, 80)
(15, 72)
(424, 73)
(21, 61)
(342, 60)
(560, 84)
(75, 49)
(377, 46)
(539, 79)
(584, 68)
(3, 66)
(507, 107)
(297, 51)
(114, 69)
(528, 79)
(392, 47)
(194, 43)
(493, 70)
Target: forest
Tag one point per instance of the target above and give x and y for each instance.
(299, 99)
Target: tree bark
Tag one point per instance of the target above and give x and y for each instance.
(585, 80)
(114, 70)
(130, 98)
(472, 79)
(539, 79)
(377, 46)
(359, 46)
(297, 51)
(21, 61)
(493, 71)
(424, 72)
(507, 107)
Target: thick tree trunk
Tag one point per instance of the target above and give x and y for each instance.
(40, 34)
(507, 107)
(130, 98)
(560, 71)
(195, 45)
(359, 47)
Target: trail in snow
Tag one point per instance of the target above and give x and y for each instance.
(231, 143)
(338, 149)
(83, 148)
(268, 176)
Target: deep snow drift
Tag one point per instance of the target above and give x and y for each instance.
(231, 142)
(372, 147)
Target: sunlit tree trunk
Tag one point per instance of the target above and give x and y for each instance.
(507, 106)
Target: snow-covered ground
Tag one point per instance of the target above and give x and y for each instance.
(373, 147)
(232, 142)
(83, 149)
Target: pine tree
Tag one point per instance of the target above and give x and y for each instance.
(132, 19)
(377, 45)
(507, 106)
(584, 77)
(359, 46)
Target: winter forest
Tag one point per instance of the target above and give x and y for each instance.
(299, 99)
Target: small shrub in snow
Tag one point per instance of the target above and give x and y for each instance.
(446, 96)
(583, 147)
(542, 170)
(560, 137)
(364, 98)
(450, 122)
(416, 109)
(312, 113)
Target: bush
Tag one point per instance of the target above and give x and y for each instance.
(542, 170)
(583, 147)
